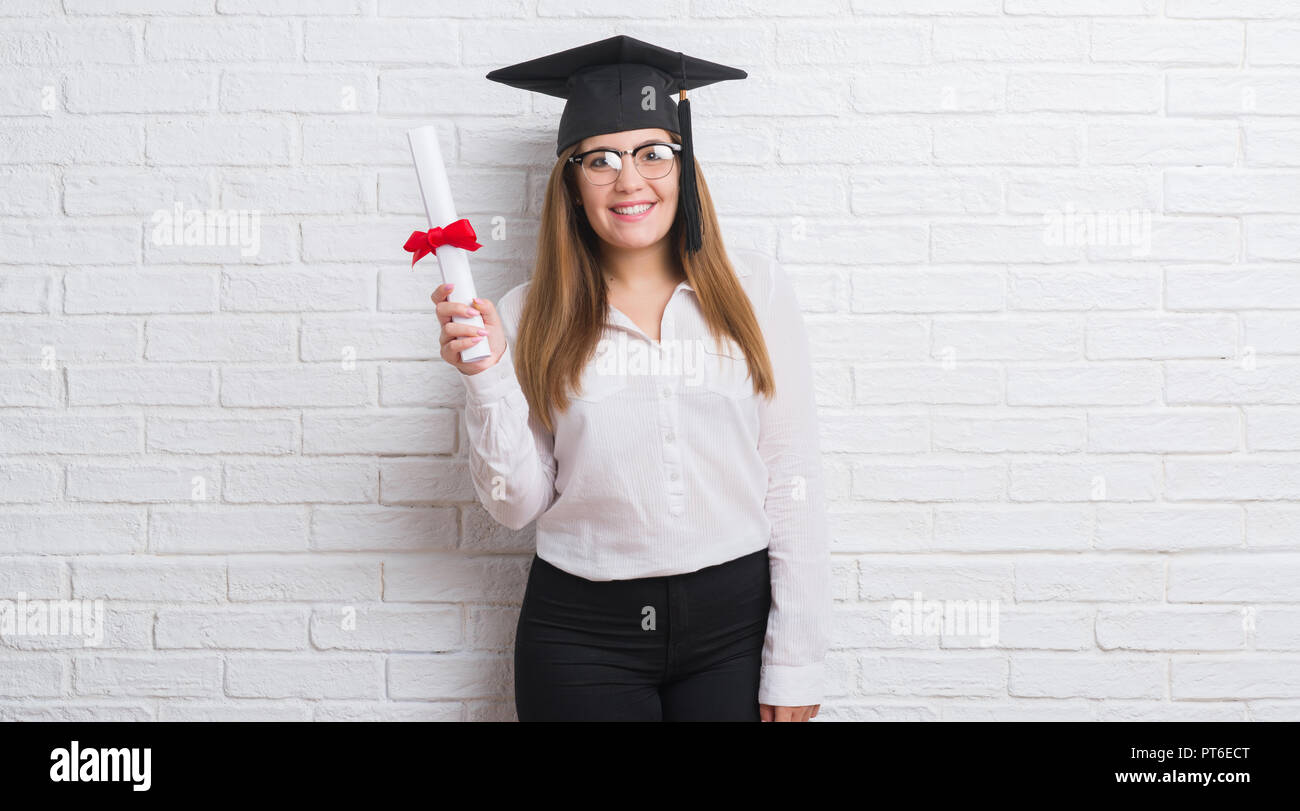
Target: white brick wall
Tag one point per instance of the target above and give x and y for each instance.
(254, 459)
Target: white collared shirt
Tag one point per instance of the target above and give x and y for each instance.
(665, 469)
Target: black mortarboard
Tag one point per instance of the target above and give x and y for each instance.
(604, 84)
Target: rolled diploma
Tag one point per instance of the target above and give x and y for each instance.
(441, 211)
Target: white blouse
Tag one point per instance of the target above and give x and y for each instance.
(667, 462)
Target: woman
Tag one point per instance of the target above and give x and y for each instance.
(651, 407)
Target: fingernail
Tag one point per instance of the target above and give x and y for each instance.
(482, 332)
(472, 311)
(476, 340)
(450, 285)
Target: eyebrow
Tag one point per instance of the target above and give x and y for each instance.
(638, 146)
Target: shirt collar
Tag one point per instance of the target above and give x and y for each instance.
(616, 316)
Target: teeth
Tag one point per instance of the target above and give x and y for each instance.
(634, 209)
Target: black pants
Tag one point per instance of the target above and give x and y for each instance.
(683, 647)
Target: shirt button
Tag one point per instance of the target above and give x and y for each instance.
(669, 437)
(676, 510)
(673, 477)
(668, 392)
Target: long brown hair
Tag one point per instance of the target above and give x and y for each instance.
(567, 288)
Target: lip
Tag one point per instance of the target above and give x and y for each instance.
(633, 217)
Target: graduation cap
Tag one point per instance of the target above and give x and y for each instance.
(620, 84)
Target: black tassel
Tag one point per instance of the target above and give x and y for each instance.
(690, 196)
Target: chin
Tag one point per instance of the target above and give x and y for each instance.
(636, 242)
(642, 238)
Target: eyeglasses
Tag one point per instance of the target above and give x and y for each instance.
(602, 166)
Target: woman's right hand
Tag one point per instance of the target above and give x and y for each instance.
(458, 337)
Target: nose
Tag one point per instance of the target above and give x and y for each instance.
(628, 177)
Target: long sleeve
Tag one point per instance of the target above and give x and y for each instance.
(511, 455)
(799, 622)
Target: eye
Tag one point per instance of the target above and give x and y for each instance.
(656, 153)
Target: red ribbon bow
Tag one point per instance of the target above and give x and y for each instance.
(459, 234)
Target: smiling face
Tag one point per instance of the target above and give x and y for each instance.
(603, 204)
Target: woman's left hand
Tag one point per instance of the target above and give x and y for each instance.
(768, 712)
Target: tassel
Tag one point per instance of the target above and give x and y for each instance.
(690, 197)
